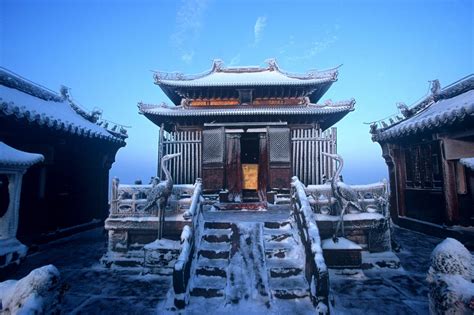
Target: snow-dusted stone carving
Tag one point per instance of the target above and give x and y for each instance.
(451, 290)
(13, 164)
(37, 293)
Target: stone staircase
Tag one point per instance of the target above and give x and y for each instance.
(285, 261)
(212, 261)
(255, 261)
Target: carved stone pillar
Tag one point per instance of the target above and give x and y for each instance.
(13, 164)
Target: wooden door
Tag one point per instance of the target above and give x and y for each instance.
(279, 157)
(213, 158)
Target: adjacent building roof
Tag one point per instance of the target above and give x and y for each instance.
(312, 84)
(11, 157)
(447, 107)
(167, 114)
(23, 99)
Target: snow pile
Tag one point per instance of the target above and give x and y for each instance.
(468, 162)
(37, 293)
(451, 290)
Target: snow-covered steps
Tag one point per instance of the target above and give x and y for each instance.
(284, 261)
(212, 261)
(294, 287)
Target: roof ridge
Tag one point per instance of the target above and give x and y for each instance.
(218, 67)
(15, 81)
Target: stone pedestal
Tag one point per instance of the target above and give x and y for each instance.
(342, 254)
(160, 256)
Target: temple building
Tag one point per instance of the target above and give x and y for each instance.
(68, 191)
(429, 150)
(247, 130)
(248, 181)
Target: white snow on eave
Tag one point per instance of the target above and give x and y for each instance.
(12, 157)
(266, 77)
(468, 162)
(437, 113)
(55, 111)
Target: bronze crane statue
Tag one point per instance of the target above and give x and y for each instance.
(345, 195)
(160, 192)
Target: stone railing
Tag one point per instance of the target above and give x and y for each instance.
(130, 200)
(372, 198)
(189, 242)
(315, 267)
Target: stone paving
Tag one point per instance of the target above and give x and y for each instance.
(92, 289)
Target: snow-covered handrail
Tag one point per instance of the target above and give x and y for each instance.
(189, 239)
(195, 199)
(315, 268)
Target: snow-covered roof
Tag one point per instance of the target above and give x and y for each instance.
(12, 157)
(452, 105)
(326, 114)
(176, 111)
(468, 162)
(224, 82)
(23, 99)
(245, 76)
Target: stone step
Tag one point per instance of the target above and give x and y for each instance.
(211, 271)
(290, 244)
(207, 293)
(286, 272)
(217, 225)
(280, 253)
(297, 262)
(277, 237)
(213, 254)
(208, 286)
(213, 238)
(277, 225)
(290, 294)
(289, 288)
(224, 246)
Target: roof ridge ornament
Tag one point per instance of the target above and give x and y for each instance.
(217, 65)
(272, 64)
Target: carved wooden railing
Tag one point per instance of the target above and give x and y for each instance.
(373, 198)
(315, 267)
(189, 242)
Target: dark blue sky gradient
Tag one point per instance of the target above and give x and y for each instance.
(105, 51)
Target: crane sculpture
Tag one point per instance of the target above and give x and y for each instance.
(160, 192)
(344, 194)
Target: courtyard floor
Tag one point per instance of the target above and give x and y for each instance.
(93, 289)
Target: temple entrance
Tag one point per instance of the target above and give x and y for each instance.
(249, 158)
(246, 165)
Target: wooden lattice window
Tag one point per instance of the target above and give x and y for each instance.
(423, 166)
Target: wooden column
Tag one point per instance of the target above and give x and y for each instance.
(397, 177)
(159, 171)
(451, 213)
(263, 168)
(233, 168)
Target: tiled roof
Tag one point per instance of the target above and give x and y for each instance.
(245, 76)
(23, 99)
(180, 111)
(452, 105)
(12, 157)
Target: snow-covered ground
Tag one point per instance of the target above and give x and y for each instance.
(384, 288)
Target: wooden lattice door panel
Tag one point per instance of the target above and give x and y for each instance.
(187, 167)
(279, 157)
(213, 158)
(308, 163)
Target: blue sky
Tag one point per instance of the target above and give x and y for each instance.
(105, 51)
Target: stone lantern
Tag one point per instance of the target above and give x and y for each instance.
(13, 164)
